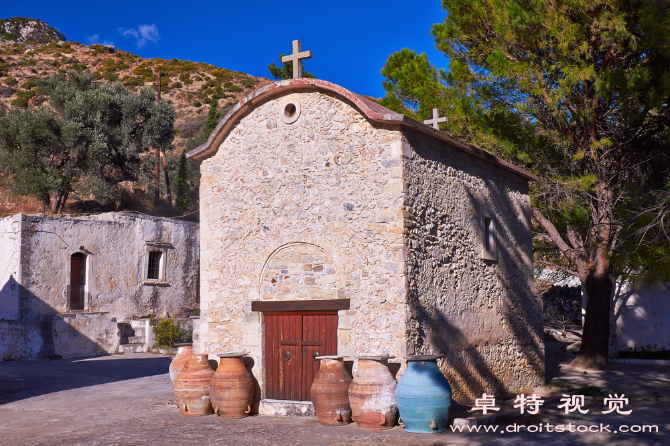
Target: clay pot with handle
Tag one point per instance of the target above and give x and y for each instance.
(424, 396)
(191, 388)
(232, 387)
(179, 361)
(330, 392)
(372, 394)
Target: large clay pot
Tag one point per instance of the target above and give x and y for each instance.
(372, 394)
(179, 361)
(424, 396)
(191, 388)
(330, 392)
(232, 387)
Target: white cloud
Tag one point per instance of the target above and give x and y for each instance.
(95, 38)
(142, 34)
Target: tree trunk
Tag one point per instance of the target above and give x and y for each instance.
(58, 202)
(167, 178)
(598, 284)
(593, 352)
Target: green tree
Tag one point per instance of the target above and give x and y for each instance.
(578, 92)
(182, 184)
(213, 116)
(87, 137)
(285, 71)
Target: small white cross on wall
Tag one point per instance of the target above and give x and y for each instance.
(295, 58)
(435, 122)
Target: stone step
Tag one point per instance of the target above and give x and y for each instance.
(286, 408)
(133, 348)
(141, 323)
(136, 340)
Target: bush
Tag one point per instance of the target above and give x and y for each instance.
(130, 80)
(232, 87)
(11, 81)
(31, 83)
(168, 332)
(197, 104)
(26, 94)
(185, 78)
(112, 77)
(20, 102)
(248, 82)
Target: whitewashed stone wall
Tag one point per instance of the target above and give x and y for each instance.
(116, 248)
(35, 253)
(482, 315)
(640, 318)
(10, 271)
(331, 183)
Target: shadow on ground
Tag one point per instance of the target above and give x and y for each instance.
(21, 380)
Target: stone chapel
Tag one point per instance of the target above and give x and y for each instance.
(332, 225)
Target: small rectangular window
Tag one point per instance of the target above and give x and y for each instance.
(153, 272)
(488, 234)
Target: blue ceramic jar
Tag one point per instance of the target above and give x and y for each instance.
(424, 396)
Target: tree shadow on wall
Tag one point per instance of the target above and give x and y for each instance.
(474, 363)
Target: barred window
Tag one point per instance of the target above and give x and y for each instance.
(153, 272)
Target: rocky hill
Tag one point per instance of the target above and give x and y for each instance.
(25, 30)
(188, 85)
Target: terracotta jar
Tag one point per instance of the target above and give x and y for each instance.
(372, 394)
(191, 388)
(179, 361)
(330, 392)
(232, 387)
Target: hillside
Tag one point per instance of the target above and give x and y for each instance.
(188, 85)
(30, 49)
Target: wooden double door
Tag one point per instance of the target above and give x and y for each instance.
(292, 340)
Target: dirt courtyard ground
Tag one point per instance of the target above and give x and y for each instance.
(128, 400)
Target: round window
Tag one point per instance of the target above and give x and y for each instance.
(290, 110)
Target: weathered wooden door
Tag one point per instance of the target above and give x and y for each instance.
(291, 341)
(77, 281)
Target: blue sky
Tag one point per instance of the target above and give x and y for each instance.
(351, 40)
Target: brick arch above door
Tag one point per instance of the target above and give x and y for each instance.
(300, 271)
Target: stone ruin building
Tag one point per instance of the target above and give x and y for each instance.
(84, 286)
(331, 225)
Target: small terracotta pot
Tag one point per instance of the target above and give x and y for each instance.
(191, 388)
(232, 387)
(372, 394)
(179, 361)
(330, 392)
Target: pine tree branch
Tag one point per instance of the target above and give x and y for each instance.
(552, 232)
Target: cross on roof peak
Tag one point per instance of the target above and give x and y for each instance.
(295, 59)
(435, 122)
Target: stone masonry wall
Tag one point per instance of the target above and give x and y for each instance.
(482, 315)
(309, 209)
(116, 248)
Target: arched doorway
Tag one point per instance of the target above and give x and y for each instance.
(77, 281)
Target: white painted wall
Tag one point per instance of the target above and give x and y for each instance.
(10, 243)
(642, 318)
